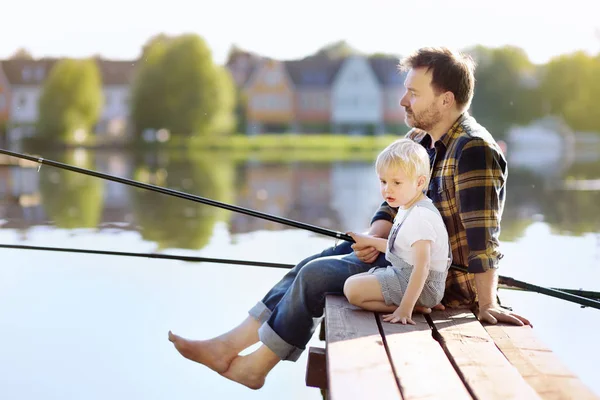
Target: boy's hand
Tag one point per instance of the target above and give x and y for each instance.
(399, 316)
(363, 248)
(361, 239)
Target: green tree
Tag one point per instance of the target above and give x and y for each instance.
(505, 92)
(179, 88)
(71, 99)
(21, 54)
(571, 89)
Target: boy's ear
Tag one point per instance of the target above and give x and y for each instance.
(421, 180)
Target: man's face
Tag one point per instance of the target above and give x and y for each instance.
(420, 102)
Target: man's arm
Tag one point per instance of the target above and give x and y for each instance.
(480, 189)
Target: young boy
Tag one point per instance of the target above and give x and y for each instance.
(417, 245)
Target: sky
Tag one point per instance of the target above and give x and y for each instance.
(292, 29)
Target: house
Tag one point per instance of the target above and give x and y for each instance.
(26, 78)
(312, 78)
(117, 77)
(391, 81)
(241, 64)
(271, 99)
(356, 104)
(4, 98)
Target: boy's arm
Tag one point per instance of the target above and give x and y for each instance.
(364, 240)
(422, 249)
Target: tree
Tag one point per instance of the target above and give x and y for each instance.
(570, 89)
(335, 50)
(178, 87)
(21, 54)
(505, 92)
(71, 99)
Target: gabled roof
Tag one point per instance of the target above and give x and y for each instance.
(313, 72)
(387, 71)
(27, 72)
(117, 72)
(34, 72)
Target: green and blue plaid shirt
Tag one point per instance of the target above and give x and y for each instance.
(468, 187)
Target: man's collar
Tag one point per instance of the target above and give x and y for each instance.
(454, 130)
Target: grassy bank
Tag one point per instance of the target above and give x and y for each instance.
(239, 143)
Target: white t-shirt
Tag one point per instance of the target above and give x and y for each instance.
(422, 224)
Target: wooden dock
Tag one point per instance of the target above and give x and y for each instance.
(446, 355)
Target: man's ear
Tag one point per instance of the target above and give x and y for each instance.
(448, 99)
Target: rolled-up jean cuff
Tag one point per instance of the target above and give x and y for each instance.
(280, 347)
(260, 312)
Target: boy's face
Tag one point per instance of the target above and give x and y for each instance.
(398, 189)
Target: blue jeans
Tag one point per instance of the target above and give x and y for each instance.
(292, 309)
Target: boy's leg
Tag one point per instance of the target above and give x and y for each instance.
(364, 291)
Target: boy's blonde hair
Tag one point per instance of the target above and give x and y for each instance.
(406, 154)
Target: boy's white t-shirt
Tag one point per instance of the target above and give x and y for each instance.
(422, 224)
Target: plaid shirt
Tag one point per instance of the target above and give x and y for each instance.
(468, 187)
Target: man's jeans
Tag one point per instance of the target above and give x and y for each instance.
(289, 310)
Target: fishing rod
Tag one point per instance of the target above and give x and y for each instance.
(582, 293)
(296, 224)
(150, 255)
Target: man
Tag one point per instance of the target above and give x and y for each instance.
(468, 176)
(467, 186)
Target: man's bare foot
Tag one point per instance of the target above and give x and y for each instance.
(213, 353)
(252, 370)
(244, 370)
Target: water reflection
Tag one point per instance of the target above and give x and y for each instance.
(334, 195)
(177, 223)
(72, 200)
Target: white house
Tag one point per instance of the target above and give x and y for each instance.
(356, 100)
(25, 78)
(117, 77)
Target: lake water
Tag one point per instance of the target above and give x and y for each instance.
(78, 326)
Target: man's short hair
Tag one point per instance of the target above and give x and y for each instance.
(451, 72)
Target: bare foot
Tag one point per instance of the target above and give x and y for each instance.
(244, 370)
(213, 353)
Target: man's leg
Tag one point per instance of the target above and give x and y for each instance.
(217, 353)
(292, 322)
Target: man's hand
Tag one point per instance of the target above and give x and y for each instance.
(492, 313)
(365, 254)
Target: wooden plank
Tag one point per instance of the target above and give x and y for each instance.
(422, 367)
(316, 368)
(357, 363)
(540, 367)
(484, 369)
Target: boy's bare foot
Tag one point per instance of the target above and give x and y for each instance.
(213, 353)
(244, 370)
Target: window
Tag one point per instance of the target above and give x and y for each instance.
(39, 73)
(26, 73)
(273, 77)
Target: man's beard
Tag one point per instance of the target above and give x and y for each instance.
(425, 120)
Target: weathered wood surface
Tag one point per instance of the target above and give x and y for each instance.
(421, 367)
(357, 363)
(540, 367)
(448, 354)
(484, 369)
